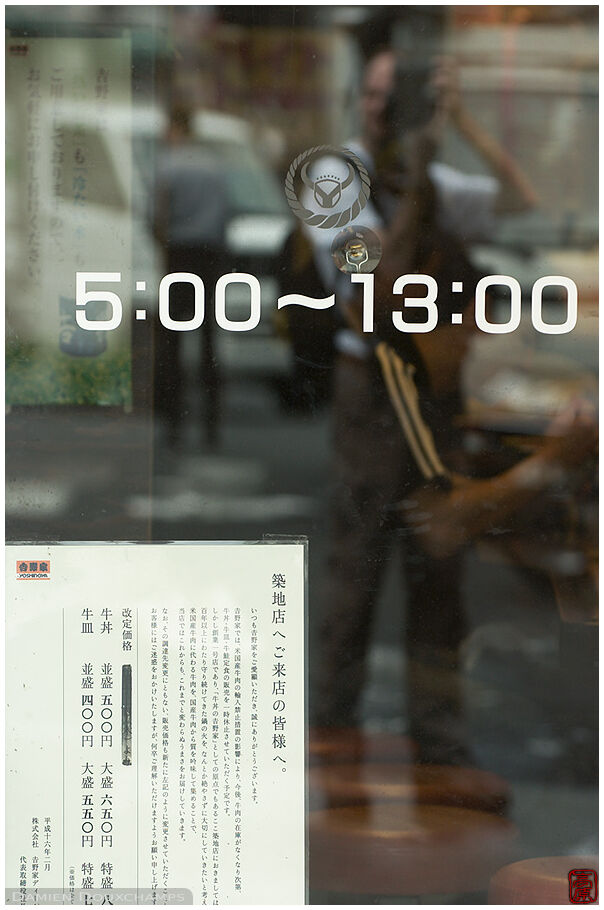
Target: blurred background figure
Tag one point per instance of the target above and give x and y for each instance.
(189, 221)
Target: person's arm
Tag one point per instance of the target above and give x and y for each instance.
(447, 512)
(516, 193)
(400, 238)
(446, 520)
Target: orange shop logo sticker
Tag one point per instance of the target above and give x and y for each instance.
(30, 568)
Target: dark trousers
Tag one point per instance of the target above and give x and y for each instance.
(371, 460)
(169, 384)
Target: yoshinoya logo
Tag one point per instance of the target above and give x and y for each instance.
(327, 187)
(33, 568)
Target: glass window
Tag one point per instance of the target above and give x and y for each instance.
(406, 375)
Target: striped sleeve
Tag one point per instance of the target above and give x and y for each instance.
(402, 392)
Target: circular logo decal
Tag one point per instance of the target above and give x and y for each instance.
(327, 188)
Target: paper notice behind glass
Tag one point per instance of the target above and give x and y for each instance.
(69, 125)
(155, 723)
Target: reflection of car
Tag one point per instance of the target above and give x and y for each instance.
(531, 374)
(549, 120)
(527, 376)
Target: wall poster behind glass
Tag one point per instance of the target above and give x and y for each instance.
(69, 167)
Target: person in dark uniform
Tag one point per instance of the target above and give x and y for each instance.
(189, 221)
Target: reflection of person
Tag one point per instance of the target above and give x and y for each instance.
(425, 212)
(190, 211)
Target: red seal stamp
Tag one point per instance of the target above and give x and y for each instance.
(583, 886)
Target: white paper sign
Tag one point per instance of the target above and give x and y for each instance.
(155, 723)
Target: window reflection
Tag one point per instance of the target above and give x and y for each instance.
(444, 646)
